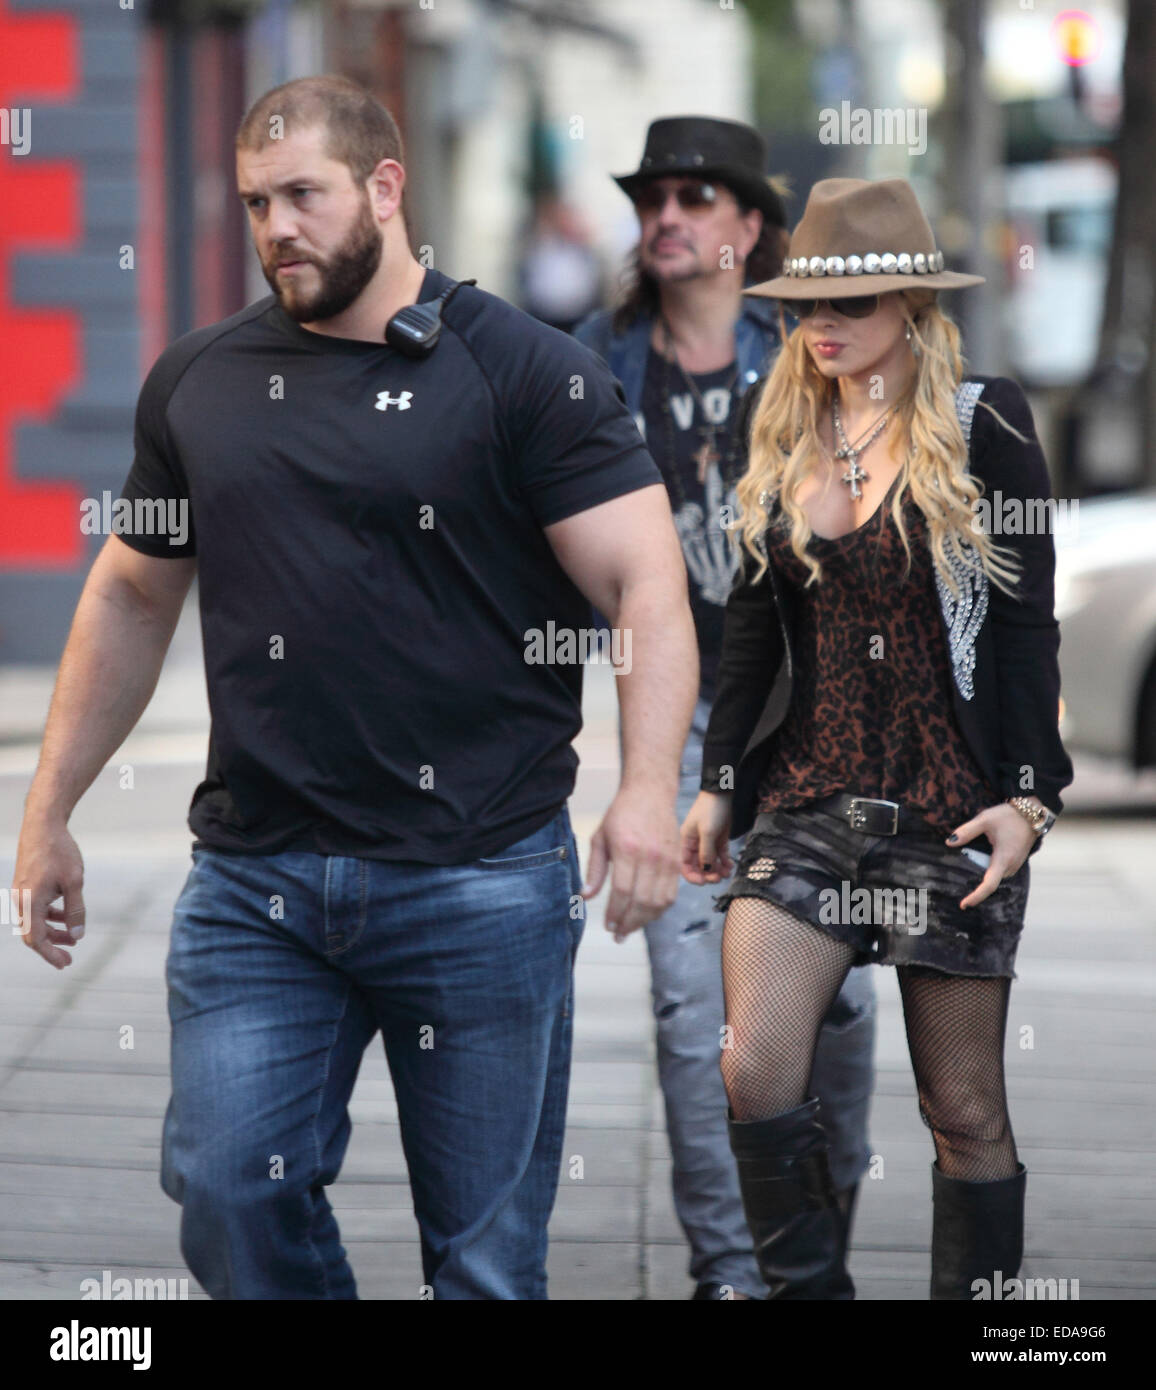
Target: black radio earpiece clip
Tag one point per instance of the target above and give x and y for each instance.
(414, 330)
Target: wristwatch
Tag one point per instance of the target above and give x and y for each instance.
(1039, 818)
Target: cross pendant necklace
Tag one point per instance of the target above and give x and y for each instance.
(846, 450)
(706, 456)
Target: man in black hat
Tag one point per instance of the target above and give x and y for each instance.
(685, 345)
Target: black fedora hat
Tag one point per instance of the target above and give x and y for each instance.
(730, 152)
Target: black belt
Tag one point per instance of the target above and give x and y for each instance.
(871, 814)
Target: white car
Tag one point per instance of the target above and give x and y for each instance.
(1106, 606)
(1059, 220)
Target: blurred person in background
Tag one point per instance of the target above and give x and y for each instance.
(686, 344)
(917, 758)
(559, 272)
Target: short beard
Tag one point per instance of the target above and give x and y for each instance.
(343, 276)
(694, 272)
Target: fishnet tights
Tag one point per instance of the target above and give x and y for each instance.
(781, 976)
(955, 1032)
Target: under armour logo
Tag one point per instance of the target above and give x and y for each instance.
(385, 400)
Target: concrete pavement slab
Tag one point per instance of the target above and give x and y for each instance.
(80, 1117)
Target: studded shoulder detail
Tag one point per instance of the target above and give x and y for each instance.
(964, 615)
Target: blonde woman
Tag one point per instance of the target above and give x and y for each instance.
(885, 724)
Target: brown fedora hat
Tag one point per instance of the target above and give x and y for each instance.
(861, 236)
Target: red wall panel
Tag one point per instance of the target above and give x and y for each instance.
(39, 348)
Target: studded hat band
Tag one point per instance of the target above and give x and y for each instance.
(844, 216)
(873, 263)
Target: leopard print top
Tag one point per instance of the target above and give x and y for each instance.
(871, 706)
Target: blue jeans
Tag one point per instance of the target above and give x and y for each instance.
(281, 969)
(685, 946)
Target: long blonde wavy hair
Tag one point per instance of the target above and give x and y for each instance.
(785, 449)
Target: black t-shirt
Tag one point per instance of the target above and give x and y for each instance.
(372, 571)
(674, 435)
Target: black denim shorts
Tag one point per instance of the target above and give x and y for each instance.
(895, 898)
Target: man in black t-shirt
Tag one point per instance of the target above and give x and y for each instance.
(397, 556)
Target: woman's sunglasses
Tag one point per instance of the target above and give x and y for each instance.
(693, 196)
(856, 306)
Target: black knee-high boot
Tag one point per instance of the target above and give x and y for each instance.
(845, 1198)
(791, 1204)
(977, 1232)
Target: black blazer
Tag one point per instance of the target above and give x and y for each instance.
(1009, 720)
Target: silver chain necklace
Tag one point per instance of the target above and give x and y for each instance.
(708, 453)
(846, 450)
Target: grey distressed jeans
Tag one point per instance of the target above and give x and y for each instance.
(685, 946)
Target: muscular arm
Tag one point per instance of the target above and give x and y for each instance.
(108, 672)
(624, 556)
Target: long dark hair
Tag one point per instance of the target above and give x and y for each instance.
(639, 290)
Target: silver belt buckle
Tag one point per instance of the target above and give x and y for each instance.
(858, 818)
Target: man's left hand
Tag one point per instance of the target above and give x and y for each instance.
(638, 838)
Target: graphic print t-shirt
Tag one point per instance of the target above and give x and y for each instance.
(697, 502)
(372, 570)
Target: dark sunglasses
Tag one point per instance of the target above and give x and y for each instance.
(857, 306)
(692, 197)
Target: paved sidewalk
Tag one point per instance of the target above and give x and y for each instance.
(80, 1112)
